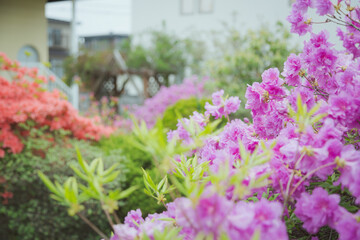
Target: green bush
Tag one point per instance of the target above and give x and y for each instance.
(182, 108)
(31, 213)
(135, 160)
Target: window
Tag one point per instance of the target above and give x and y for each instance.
(28, 54)
(55, 38)
(206, 6)
(187, 6)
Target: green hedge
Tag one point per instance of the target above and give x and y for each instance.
(182, 108)
(135, 160)
(31, 213)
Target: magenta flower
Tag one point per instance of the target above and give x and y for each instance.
(232, 104)
(299, 23)
(134, 218)
(262, 216)
(324, 7)
(347, 226)
(306, 94)
(317, 210)
(292, 68)
(217, 98)
(124, 232)
(255, 95)
(208, 216)
(349, 162)
(197, 121)
(222, 107)
(270, 77)
(302, 5)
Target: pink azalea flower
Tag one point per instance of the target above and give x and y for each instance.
(317, 210)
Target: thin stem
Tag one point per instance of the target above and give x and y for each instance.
(345, 23)
(290, 180)
(162, 201)
(93, 227)
(109, 218)
(309, 174)
(282, 189)
(117, 219)
(107, 215)
(330, 234)
(319, 22)
(349, 16)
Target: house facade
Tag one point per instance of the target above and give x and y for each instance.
(23, 30)
(24, 37)
(205, 19)
(201, 17)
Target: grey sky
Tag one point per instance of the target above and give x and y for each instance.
(95, 16)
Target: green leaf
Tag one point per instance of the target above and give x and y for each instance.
(82, 162)
(48, 183)
(111, 177)
(109, 170)
(126, 193)
(78, 172)
(93, 165)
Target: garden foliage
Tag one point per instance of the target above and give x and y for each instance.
(293, 173)
(38, 130)
(23, 100)
(30, 213)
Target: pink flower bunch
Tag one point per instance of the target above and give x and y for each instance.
(222, 106)
(167, 96)
(268, 103)
(197, 122)
(300, 23)
(22, 100)
(305, 130)
(320, 209)
(212, 215)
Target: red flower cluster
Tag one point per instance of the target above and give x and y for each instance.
(23, 98)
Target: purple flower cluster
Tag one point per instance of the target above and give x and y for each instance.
(222, 107)
(224, 148)
(211, 215)
(167, 96)
(321, 209)
(300, 133)
(300, 23)
(197, 121)
(268, 103)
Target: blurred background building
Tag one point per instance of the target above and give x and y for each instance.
(103, 42)
(59, 33)
(203, 17)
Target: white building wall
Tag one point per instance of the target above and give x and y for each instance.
(240, 14)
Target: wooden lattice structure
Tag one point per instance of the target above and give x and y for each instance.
(104, 80)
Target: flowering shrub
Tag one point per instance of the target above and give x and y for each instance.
(23, 101)
(292, 173)
(252, 181)
(155, 106)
